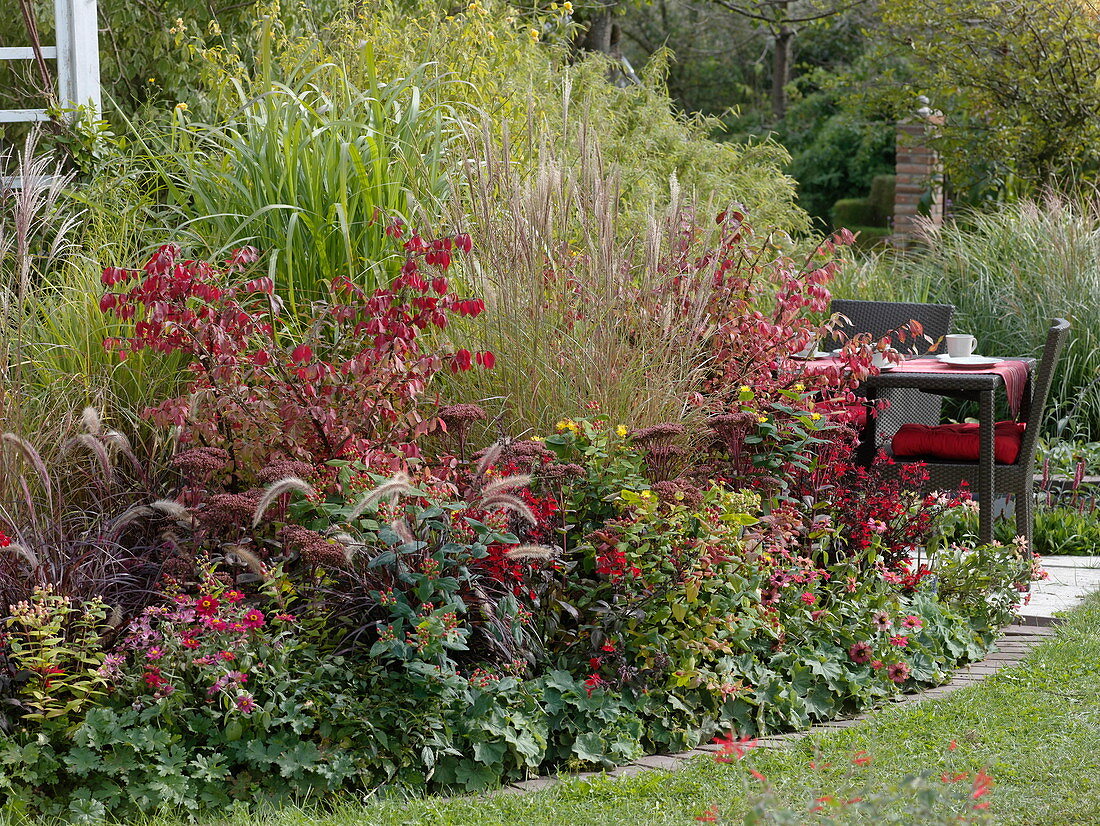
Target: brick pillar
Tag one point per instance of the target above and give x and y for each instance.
(919, 173)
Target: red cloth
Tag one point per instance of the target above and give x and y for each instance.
(1013, 371)
(957, 441)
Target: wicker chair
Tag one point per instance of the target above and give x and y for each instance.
(1017, 478)
(879, 318)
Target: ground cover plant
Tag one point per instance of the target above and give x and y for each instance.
(1013, 728)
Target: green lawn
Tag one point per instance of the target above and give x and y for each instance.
(1035, 728)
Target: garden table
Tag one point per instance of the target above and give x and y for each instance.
(933, 377)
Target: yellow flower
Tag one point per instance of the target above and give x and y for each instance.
(533, 34)
(538, 438)
(181, 107)
(647, 494)
(567, 7)
(800, 387)
(761, 418)
(621, 430)
(152, 80)
(815, 416)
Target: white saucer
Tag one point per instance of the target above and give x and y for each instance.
(972, 362)
(819, 354)
(886, 368)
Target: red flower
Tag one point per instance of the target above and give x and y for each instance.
(206, 606)
(233, 596)
(5, 540)
(593, 682)
(253, 619)
(861, 758)
(983, 784)
(900, 641)
(808, 598)
(860, 652)
(733, 748)
(898, 672)
(227, 655)
(190, 642)
(709, 815)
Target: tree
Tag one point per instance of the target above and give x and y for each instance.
(1018, 82)
(782, 19)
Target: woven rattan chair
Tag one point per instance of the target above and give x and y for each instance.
(879, 318)
(1017, 478)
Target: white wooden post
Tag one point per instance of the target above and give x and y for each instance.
(78, 54)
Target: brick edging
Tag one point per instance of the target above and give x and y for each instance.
(1013, 645)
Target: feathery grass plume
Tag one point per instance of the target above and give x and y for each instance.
(509, 502)
(490, 456)
(127, 518)
(121, 442)
(530, 552)
(398, 485)
(23, 551)
(90, 418)
(248, 559)
(114, 619)
(506, 484)
(401, 528)
(277, 489)
(32, 457)
(175, 511)
(96, 448)
(351, 545)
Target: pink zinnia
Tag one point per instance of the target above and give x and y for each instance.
(154, 653)
(206, 606)
(253, 619)
(899, 641)
(898, 672)
(245, 702)
(912, 621)
(233, 596)
(190, 642)
(809, 598)
(860, 652)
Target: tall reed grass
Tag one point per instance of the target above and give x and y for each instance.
(575, 311)
(310, 171)
(1009, 271)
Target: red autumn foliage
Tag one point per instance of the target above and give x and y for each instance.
(343, 380)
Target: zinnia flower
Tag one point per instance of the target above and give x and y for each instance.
(899, 640)
(809, 598)
(206, 606)
(898, 672)
(860, 652)
(233, 596)
(912, 621)
(245, 702)
(253, 619)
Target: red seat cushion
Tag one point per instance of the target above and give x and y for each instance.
(958, 442)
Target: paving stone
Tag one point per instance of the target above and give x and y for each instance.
(659, 761)
(690, 755)
(628, 770)
(535, 784)
(1030, 630)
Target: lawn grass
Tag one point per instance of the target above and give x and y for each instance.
(1034, 727)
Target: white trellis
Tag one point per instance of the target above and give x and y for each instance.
(77, 57)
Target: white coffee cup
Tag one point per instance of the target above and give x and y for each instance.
(880, 360)
(960, 345)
